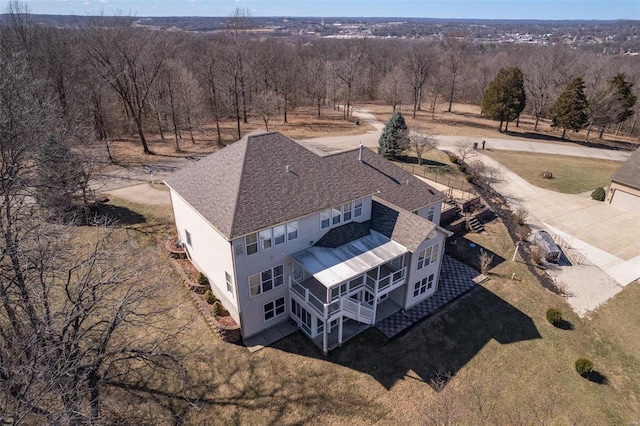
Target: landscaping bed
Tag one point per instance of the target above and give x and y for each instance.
(221, 323)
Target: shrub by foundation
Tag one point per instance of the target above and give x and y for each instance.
(209, 297)
(202, 279)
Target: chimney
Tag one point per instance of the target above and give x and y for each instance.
(360, 154)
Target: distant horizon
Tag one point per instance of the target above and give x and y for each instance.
(512, 10)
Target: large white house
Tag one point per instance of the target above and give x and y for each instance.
(336, 242)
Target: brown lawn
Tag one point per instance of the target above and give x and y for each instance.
(465, 120)
(508, 364)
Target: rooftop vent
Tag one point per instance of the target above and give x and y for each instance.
(360, 154)
(288, 170)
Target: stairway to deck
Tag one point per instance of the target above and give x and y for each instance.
(475, 225)
(357, 311)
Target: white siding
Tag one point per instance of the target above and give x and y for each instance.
(209, 250)
(252, 312)
(413, 275)
(424, 212)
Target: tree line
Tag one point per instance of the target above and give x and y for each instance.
(117, 79)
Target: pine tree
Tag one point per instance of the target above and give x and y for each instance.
(394, 137)
(505, 97)
(57, 179)
(625, 98)
(570, 109)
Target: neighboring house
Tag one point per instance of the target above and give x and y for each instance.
(624, 191)
(336, 242)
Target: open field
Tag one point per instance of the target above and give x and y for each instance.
(508, 364)
(465, 120)
(571, 175)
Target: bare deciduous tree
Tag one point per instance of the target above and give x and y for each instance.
(265, 104)
(421, 143)
(124, 58)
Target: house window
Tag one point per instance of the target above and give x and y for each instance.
(292, 230)
(304, 316)
(279, 234)
(357, 208)
(336, 215)
(266, 239)
(320, 327)
(187, 236)
(428, 256)
(266, 280)
(251, 244)
(325, 219)
(227, 278)
(346, 212)
(422, 286)
(430, 212)
(274, 309)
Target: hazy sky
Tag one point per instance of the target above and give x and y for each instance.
(468, 9)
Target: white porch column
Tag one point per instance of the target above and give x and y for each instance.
(325, 340)
(340, 332)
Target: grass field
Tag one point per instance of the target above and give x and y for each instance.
(571, 175)
(507, 364)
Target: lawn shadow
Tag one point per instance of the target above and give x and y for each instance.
(597, 377)
(425, 162)
(442, 343)
(118, 215)
(468, 252)
(563, 324)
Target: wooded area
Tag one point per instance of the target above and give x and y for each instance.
(66, 302)
(118, 79)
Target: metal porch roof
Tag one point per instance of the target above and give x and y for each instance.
(331, 266)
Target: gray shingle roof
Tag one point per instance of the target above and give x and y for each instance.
(401, 226)
(246, 187)
(629, 172)
(392, 183)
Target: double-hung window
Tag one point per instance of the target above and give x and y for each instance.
(251, 244)
(292, 230)
(336, 216)
(279, 236)
(431, 212)
(325, 219)
(428, 256)
(229, 281)
(266, 280)
(346, 212)
(357, 208)
(266, 239)
(274, 309)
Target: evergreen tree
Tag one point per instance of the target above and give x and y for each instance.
(570, 109)
(394, 137)
(625, 98)
(57, 179)
(505, 97)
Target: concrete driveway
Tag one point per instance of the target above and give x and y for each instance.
(602, 241)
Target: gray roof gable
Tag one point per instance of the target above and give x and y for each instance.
(267, 179)
(401, 226)
(391, 183)
(629, 172)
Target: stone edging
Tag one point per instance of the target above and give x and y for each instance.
(226, 333)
